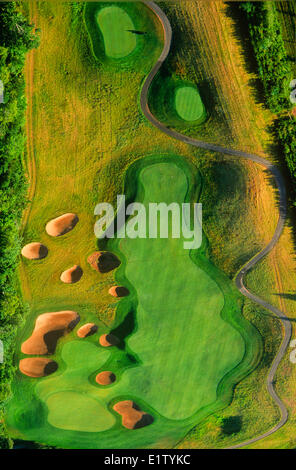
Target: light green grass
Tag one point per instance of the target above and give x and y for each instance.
(188, 103)
(77, 412)
(115, 24)
(184, 345)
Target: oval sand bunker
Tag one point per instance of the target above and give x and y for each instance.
(105, 378)
(132, 415)
(61, 225)
(103, 261)
(119, 291)
(49, 327)
(37, 366)
(109, 340)
(72, 275)
(34, 250)
(87, 330)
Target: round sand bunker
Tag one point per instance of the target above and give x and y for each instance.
(105, 378)
(35, 250)
(72, 275)
(37, 366)
(87, 330)
(109, 340)
(61, 225)
(103, 261)
(119, 291)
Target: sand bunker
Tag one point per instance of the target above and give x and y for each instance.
(72, 275)
(109, 340)
(35, 250)
(103, 261)
(132, 416)
(119, 291)
(49, 327)
(37, 366)
(105, 378)
(61, 225)
(87, 330)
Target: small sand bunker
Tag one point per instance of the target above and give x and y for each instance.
(72, 275)
(132, 416)
(49, 327)
(35, 250)
(61, 225)
(37, 366)
(87, 330)
(109, 340)
(119, 291)
(103, 261)
(105, 378)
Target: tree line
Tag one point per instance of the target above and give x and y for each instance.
(16, 39)
(275, 73)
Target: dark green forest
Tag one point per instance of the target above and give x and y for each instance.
(16, 39)
(275, 73)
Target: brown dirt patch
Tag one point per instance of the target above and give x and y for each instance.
(34, 250)
(87, 330)
(105, 378)
(37, 366)
(61, 225)
(103, 261)
(132, 415)
(49, 327)
(119, 291)
(72, 275)
(109, 340)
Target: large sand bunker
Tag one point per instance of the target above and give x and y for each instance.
(34, 250)
(87, 330)
(105, 378)
(49, 327)
(72, 275)
(119, 291)
(61, 225)
(132, 416)
(37, 366)
(109, 340)
(103, 261)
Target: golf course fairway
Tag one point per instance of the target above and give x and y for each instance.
(116, 26)
(188, 104)
(189, 341)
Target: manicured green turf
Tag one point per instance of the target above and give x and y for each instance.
(80, 410)
(188, 103)
(115, 25)
(182, 342)
(188, 342)
(77, 412)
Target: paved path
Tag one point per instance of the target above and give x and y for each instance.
(282, 215)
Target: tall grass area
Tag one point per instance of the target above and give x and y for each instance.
(16, 39)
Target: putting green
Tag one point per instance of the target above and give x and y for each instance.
(77, 412)
(188, 103)
(115, 25)
(73, 402)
